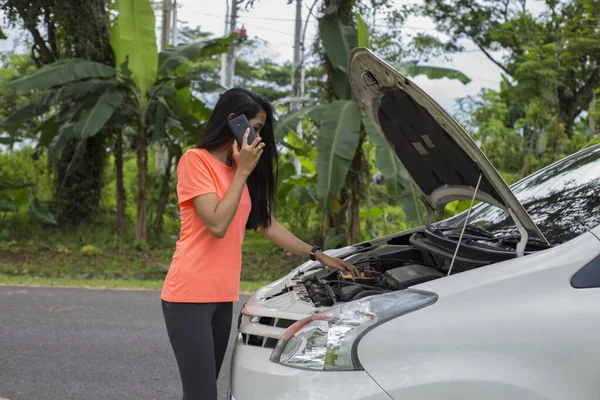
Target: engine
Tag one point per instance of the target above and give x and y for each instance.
(403, 262)
(325, 291)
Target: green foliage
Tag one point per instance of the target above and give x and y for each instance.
(23, 182)
(336, 145)
(362, 31)
(61, 73)
(93, 119)
(11, 67)
(289, 122)
(172, 59)
(95, 97)
(382, 220)
(338, 40)
(298, 206)
(550, 75)
(134, 42)
(486, 116)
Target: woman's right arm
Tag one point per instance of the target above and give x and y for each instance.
(217, 215)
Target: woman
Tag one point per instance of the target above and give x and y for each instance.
(222, 190)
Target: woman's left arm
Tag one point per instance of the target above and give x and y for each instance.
(283, 238)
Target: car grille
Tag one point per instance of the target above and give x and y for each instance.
(263, 341)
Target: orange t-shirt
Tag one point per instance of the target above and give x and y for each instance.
(205, 269)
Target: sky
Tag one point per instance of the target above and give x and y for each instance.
(273, 21)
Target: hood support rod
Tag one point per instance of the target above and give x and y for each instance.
(462, 232)
(524, 234)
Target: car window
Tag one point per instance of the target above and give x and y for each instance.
(563, 199)
(587, 277)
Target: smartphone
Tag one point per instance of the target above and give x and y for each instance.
(238, 126)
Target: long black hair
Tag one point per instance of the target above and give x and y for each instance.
(262, 180)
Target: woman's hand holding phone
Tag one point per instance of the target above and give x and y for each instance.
(247, 157)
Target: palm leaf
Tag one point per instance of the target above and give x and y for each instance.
(363, 31)
(170, 59)
(43, 103)
(93, 119)
(338, 137)
(60, 73)
(65, 134)
(341, 84)
(338, 40)
(48, 130)
(134, 42)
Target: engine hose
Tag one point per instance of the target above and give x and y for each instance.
(331, 293)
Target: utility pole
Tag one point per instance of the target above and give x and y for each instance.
(296, 104)
(296, 66)
(230, 67)
(174, 29)
(166, 24)
(224, 56)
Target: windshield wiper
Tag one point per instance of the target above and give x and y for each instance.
(477, 232)
(515, 239)
(472, 228)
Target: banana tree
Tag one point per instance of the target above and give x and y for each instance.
(342, 130)
(148, 91)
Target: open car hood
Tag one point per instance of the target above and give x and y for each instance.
(439, 155)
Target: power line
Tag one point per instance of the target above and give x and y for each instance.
(269, 29)
(252, 25)
(290, 34)
(248, 17)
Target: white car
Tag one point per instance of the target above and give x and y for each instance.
(501, 302)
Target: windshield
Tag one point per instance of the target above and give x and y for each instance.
(563, 200)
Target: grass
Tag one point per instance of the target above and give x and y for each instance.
(131, 284)
(92, 256)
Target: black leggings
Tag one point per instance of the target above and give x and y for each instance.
(199, 333)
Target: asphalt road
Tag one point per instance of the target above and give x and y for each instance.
(76, 344)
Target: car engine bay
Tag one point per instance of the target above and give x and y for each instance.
(403, 262)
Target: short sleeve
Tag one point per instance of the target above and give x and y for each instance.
(194, 177)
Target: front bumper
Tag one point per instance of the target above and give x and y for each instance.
(255, 377)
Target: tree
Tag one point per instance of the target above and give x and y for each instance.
(550, 64)
(62, 29)
(148, 92)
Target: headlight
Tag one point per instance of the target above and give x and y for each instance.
(328, 341)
